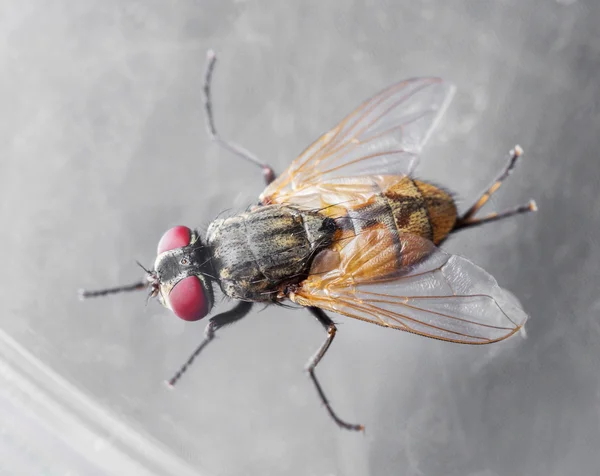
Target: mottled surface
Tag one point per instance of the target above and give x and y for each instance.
(257, 253)
(102, 148)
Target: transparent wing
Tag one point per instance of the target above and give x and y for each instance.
(384, 136)
(411, 286)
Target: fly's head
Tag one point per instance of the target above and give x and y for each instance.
(180, 279)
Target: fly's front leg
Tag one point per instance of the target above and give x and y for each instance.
(468, 219)
(85, 294)
(329, 326)
(268, 173)
(214, 324)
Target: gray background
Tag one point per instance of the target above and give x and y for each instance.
(102, 148)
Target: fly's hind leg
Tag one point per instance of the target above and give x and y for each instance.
(329, 326)
(469, 219)
(268, 173)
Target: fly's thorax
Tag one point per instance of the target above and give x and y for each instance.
(320, 229)
(257, 252)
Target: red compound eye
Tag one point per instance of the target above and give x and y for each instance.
(188, 300)
(176, 237)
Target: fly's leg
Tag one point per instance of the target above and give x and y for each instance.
(85, 294)
(329, 326)
(530, 207)
(268, 173)
(514, 156)
(214, 324)
(469, 219)
(143, 284)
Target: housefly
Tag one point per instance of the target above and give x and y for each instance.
(345, 229)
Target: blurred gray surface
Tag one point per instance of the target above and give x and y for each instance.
(102, 148)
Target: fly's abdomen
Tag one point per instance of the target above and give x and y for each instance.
(440, 208)
(408, 206)
(255, 253)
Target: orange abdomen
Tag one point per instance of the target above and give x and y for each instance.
(421, 209)
(441, 209)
